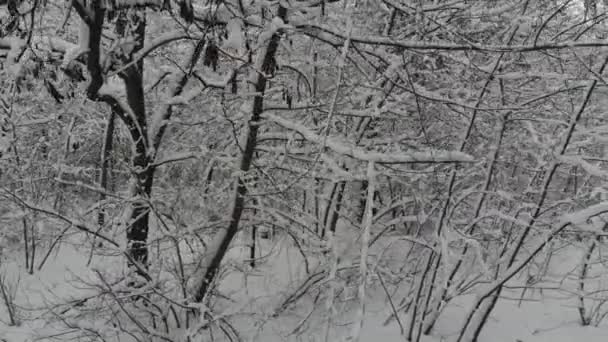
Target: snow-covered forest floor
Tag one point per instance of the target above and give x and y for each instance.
(529, 310)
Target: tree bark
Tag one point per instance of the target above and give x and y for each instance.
(141, 163)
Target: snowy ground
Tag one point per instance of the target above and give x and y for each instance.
(550, 316)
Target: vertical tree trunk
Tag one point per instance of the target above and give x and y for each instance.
(315, 199)
(106, 154)
(335, 215)
(143, 171)
(33, 248)
(254, 230)
(25, 243)
(362, 199)
(328, 207)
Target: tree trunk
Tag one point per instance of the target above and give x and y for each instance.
(254, 231)
(335, 215)
(143, 171)
(218, 249)
(106, 154)
(328, 207)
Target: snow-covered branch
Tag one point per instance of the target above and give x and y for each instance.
(356, 152)
(336, 37)
(151, 45)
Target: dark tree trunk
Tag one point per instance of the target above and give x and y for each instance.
(254, 230)
(328, 207)
(106, 154)
(220, 246)
(363, 200)
(92, 15)
(335, 215)
(141, 162)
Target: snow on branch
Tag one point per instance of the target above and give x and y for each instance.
(123, 4)
(115, 5)
(312, 3)
(331, 34)
(348, 149)
(151, 45)
(72, 51)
